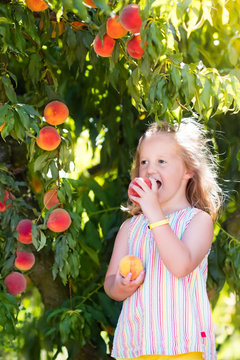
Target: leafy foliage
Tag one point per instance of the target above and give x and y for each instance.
(190, 66)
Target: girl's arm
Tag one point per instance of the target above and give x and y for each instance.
(117, 287)
(180, 257)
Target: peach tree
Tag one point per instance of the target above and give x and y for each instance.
(78, 75)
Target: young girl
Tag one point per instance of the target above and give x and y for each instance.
(166, 312)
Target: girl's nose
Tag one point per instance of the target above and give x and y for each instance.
(151, 168)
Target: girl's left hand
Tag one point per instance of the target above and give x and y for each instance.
(148, 198)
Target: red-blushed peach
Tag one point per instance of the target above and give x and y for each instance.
(104, 48)
(48, 138)
(89, 3)
(130, 264)
(134, 47)
(15, 283)
(59, 220)
(130, 18)
(24, 260)
(58, 28)
(36, 184)
(24, 229)
(7, 195)
(55, 112)
(50, 198)
(36, 5)
(132, 192)
(114, 28)
(2, 126)
(78, 25)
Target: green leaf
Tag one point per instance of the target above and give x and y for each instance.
(74, 262)
(30, 110)
(92, 235)
(10, 122)
(91, 253)
(103, 4)
(9, 90)
(41, 161)
(24, 117)
(81, 9)
(66, 187)
(188, 83)
(35, 66)
(99, 192)
(4, 20)
(54, 170)
(42, 242)
(176, 76)
(18, 127)
(4, 109)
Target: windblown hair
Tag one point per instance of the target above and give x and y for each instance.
(202, 189)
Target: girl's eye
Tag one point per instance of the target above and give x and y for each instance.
(160, 161)
(143, 162)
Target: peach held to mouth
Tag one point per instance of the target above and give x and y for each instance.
(132, 192)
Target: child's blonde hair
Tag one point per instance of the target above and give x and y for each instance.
(202, 189)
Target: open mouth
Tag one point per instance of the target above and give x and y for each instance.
(159, 184)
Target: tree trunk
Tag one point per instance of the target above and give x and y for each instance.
(53, 292)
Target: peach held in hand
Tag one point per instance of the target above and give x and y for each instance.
(130, 264)
(130, 18)
(132, 192)
(24, 260)
(59, 220)
(48, 138)
(56, 112)
(24, 229)
(15, 283)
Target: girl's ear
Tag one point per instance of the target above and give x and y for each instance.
(188, 174)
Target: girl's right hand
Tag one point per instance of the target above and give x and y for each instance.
(129, 286)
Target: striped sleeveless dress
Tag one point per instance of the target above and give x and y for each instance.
(166, 315)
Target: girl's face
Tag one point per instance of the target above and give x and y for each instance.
(159, 159)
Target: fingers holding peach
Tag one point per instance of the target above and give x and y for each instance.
(130, 264)
(135, 188)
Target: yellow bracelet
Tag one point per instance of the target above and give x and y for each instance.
(158, 223)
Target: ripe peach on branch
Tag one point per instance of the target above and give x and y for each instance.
(36, 5)
(114, 28)
(59, 220)
(24, 260)
(89, 3)
(48, 138)
(2, 126)
(15, 283)
(134, 47)
(130, 264)
(58, 28)
(130, 18)
(55, 112)
(24, 229)
(104, 48)
(78, 25)
(7, 196)
(50, 198)
(36, 184)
